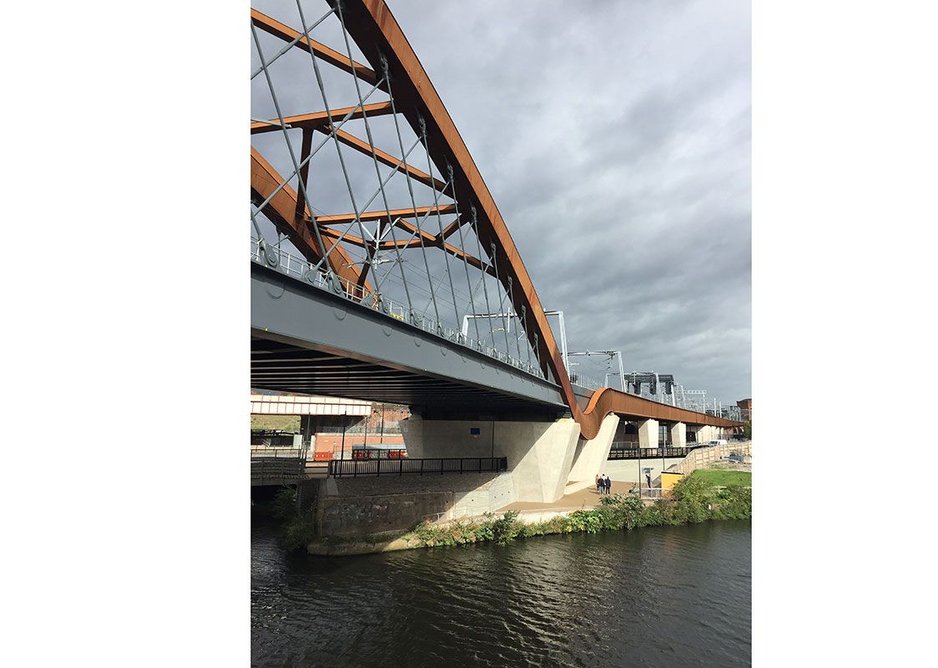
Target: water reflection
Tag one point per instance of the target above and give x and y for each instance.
(657, 596)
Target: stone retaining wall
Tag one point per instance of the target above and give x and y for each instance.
(360, 506)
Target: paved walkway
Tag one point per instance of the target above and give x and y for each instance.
(582, 500)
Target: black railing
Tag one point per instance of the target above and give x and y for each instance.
(375, 453)
(340, 468)
(271, 470)
(650, 453)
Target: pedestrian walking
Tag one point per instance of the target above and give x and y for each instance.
(608, 484)
(599, 484)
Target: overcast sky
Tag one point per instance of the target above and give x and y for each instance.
(615, 139)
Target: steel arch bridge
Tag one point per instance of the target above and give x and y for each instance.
(375, 241)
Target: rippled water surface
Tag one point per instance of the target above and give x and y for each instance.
(661, 596)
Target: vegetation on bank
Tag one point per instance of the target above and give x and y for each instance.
(693, 500)
(297, 530)
(707, 494)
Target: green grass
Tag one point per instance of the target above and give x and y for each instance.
(275, 422)
(720, 478)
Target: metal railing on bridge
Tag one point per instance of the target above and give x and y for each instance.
(650, 453)
(292, 265)
(278, 452)
(340, 468)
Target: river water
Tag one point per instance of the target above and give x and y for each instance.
(659, 596)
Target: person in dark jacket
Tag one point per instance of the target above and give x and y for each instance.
(607, 483)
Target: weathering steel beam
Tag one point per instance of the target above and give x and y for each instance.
(288, 34)
(388, 216)
(386, 158)
(320, 119)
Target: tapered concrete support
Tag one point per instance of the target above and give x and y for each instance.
(412, 433)
(591, 455)
(539, 454)
(679, 435)
(705, 433)
(648, 434)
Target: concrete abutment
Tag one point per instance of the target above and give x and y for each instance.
(546, 459)
(591, 455)
(539, 454)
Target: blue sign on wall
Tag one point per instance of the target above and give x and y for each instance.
(475, 431)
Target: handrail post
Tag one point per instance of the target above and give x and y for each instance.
(401, 474)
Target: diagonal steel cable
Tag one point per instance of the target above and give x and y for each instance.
(330, 135)
(410, 189)
(501, 301)
(511, 300)
(439, 219)
(292, 43)
(462, 246)
(338, 148)
(524, 315)
(474, 223)
(374, 155)
(373, 197)
(286, 138)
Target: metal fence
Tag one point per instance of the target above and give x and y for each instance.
(340, 468)
(706, 456)
(276, 471)
(653, 493)
(651, 453)
(376, 453)
(278, 452)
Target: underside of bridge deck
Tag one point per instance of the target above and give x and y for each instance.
(307, 340)
(285, 367)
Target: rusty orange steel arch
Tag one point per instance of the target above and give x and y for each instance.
(377, 33)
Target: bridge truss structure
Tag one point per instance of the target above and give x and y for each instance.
(362, 187)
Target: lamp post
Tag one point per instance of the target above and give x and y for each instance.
(344, 416)
(664, 444)
(639, 470)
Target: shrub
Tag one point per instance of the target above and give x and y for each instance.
(502, 530)
(297, 532)
(693, 500)
(733, 503)
(506, 528)
(284, 505)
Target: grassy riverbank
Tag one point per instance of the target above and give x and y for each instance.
(695, 499)
(704, 495)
